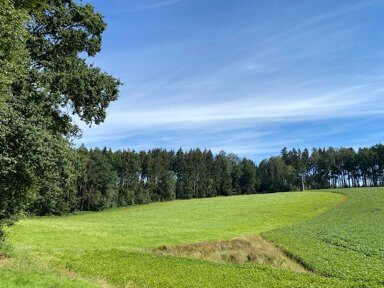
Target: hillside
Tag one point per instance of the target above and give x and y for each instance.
(117, 247)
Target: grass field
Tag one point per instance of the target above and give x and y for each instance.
(170, 222)
(350, 238)
(113, 248)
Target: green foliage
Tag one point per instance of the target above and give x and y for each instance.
(249, 180)
(159, 179)
(346, 242)
(13, 132)
(222, 174)
(41, 73)
(12, 46)
(58, 34)
(323, 169)
(105, 179)
(54, 192)
(276, 175)
(33, 162)
(127, 165)
(101, 182)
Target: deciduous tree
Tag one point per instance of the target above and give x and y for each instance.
(43, 82)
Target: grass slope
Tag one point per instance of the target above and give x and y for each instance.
(29, 272)
(109, 245)
(347, 242)
(127, 269)
(21, 279)
(170, 223)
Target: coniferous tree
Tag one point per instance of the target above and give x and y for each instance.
(180, 167)
(208, 181)
(248, 180)
(128, 172)
(101, 182)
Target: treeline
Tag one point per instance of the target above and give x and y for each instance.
(103, 179)
(323, 168)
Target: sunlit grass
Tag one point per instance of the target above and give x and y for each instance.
(171, 222)
(112, 248)
(347, 242)
(127, 269)
(23, 271)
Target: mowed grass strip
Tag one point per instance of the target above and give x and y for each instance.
(170, 223)
(346, 242)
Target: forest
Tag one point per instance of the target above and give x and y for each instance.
(101, 178)
(46, 82)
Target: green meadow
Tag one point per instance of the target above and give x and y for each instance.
(347, 242)
(337, 237)
(174, 222)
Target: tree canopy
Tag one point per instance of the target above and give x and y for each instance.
(44, 81)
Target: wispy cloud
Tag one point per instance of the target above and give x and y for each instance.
(241, 78)
(232, 124)
(155, 5)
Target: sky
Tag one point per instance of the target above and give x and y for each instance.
(245, 76)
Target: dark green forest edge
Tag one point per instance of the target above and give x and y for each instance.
(106, 179)
(44, 82)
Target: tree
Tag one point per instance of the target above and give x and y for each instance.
(15, 175)
(276, 176)
(366, 164)
(81, 177)
(180, 167)
(167, 186)
(54, 190)
(248, 177)
(101, 185)
(348, 164)
(128, 171)
(159, 180)
(208, 179)
(57, 76)
(43, 82)
(222, 175)
(236, 172)
(13, 36)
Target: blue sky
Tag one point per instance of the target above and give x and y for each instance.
(244, 76)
